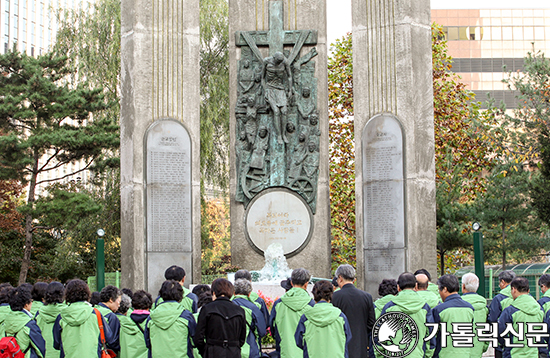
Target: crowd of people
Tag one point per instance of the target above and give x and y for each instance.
(229, 320)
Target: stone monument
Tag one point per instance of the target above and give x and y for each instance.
(160, 141)
(394, 139)
(279, 127)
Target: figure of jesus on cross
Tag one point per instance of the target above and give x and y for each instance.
(277, 78)
(277, 95)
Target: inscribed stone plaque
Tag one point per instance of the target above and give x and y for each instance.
(168, 187)
(381, 264)
(279, 216)
(383, 193)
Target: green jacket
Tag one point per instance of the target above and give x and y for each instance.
(36, 306)
(481, 311)
(19, 324)
(76, 331)
(432, 287)
(380, 303)
(453, 310)
(284, 318)
(523, 309)
(132, 339)
(4, 311)
(430, 298)
(169, 331)
(323, 331)
(189, 301)
(45, 319)
(255, 326)
(409, 302)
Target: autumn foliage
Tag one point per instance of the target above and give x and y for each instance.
(341, 153)
(10, 218)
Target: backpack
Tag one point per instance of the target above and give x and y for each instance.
(10, 349)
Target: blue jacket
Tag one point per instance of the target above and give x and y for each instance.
(454, 309)
(114, 325)
(23, 327)
(256, 326)
(524, 309)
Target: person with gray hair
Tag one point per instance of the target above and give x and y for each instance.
(286, 314)
(256, 325)
(253, 297)
(125, 304)
(470, 284)
(502, 300)
(358, 307)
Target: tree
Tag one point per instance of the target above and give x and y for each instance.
(517, 134)
(540, 185)
(505, 210)
(214, 91)
(90, 36)
(48, 124)
(10, 218)
(341, 153)
(461, 150)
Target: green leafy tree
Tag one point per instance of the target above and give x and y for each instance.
(461, 151)
(214, 91)
(48, 124)
(540, 185)
(517, 134)
(90, 36)
(510, 226)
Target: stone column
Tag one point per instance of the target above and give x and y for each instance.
(394, 136)
(253, 15)
(159, 80)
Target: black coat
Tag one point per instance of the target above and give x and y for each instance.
(358, 308)
(221, 329)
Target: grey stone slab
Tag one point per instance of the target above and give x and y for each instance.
(382, 264)
(279, 216)
(169, 209)
(383, 183)
(158, 262)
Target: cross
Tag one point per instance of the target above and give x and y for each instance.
(276, 37)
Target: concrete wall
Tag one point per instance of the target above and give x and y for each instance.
(252, 15)
(159, 79)
(392, 71)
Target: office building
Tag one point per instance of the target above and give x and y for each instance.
(483, 41)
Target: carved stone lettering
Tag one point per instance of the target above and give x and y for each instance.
(278, 216)
(383, 208)
(168, 187)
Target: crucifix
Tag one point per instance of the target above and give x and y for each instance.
(276, 66)
(280, 78)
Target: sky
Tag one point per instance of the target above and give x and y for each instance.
(339, 11)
